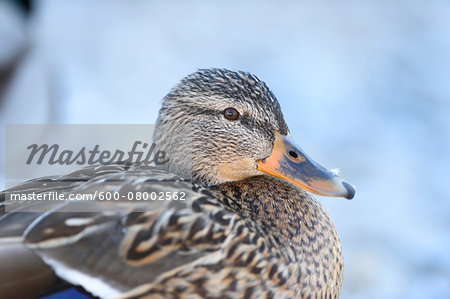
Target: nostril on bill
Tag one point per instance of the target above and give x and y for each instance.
(293, 154)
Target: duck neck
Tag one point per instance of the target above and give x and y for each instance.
(277, 206)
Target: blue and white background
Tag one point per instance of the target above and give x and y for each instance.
(364, 86)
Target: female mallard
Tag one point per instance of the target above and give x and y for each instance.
(245, 229)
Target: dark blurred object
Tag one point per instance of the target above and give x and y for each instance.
(13, 39)
(25, 5)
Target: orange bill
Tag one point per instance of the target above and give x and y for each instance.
(289, 163)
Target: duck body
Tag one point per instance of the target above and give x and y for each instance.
(259, 238)
(237, 233)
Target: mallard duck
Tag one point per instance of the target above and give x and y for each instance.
(246, 229)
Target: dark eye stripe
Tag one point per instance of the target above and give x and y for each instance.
(244, 119)
(231, 113)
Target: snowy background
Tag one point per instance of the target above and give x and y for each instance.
(364, 86)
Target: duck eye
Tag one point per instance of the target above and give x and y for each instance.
(231, 113)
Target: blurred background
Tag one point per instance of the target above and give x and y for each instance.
(364, 86)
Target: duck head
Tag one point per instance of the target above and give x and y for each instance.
(218, 126)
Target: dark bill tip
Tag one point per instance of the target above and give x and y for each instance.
(350, 190)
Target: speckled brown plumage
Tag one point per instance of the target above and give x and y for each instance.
(300, 229)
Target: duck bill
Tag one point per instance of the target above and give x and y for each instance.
(290, 163)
